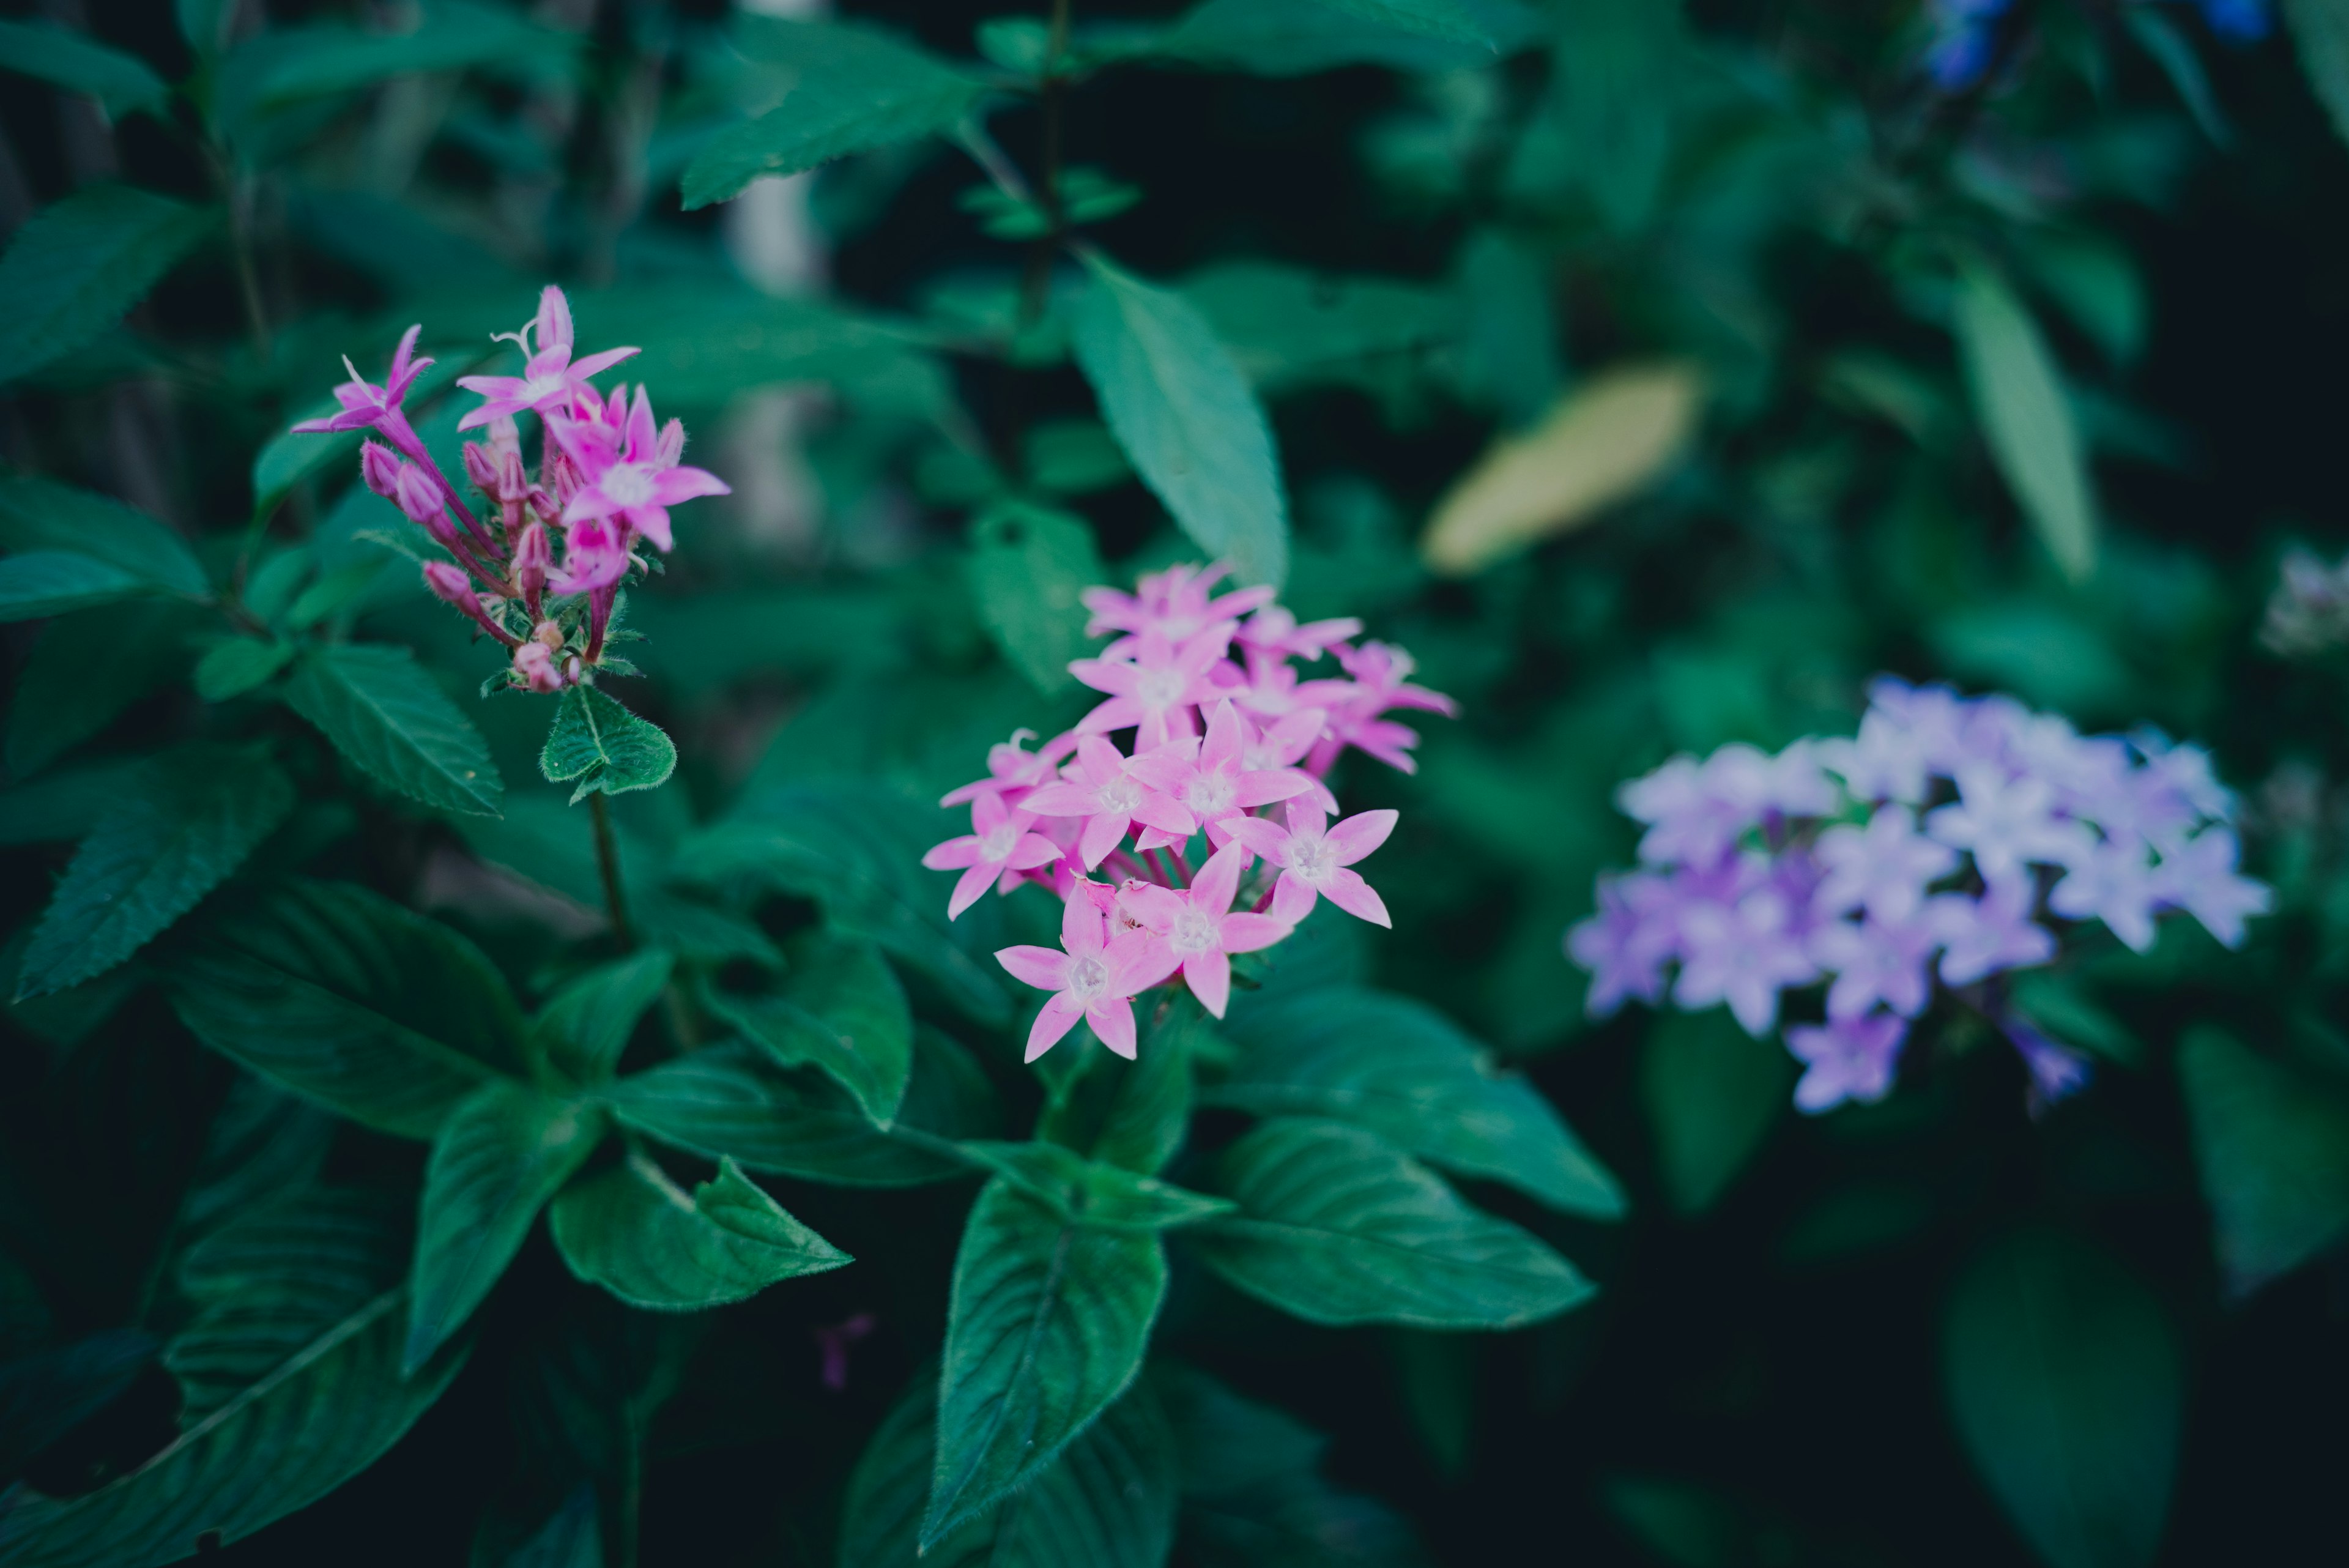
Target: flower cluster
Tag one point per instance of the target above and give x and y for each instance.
(608, 475)
(1222, 735)
(1951, 839)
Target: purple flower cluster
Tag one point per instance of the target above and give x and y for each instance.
(1951, 839)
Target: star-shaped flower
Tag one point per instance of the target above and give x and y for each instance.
(1001, 842)
(549, 376)
(1196, 928)
(1092, 978)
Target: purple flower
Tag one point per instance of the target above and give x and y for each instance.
(1883, 868)
(366, 405)
(1886, 761)
(1876, 961)
(1626, 943)
(1743, 950)
(2115, 883)
(2057, 1071)
(1990, 933)
(2200, 877)
(1850, 1059)
(2006, 822)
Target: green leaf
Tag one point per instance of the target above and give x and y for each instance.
(850, 89)
(46, 1394)
(605, 747)
(232, 668)
(1252, 1495)
(122, 83)
(640, 1236)
(1484, 22)
(41, 583)
(1288, 327)
(585, 1027)
(842, 1010)
(1046, 1326)
(500, 1155)
(1028, 565)
(1711, 1093)
(1134, 1115)
(78, 264)
(732, 1099)
(1295, 37)
(2066, 1381)
(325, 1400)
(39, 514)
(1186, 416)
(284, 66)
(2020, 401)
(187, 819)
(1400, 1069)
(2272, 1142)
(340, 995)
(572, 1537)
(2319, 35)
(85, 670)
(1087, 1192)
(1108, 1501)
(1338, 1228)
(385, 713)
(858, 852)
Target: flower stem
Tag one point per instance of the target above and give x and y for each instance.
(607, 862)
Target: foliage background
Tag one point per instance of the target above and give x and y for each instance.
(1778, 198)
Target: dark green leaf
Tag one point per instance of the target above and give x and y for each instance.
(41, 583)
(1108, 1501)
(284, 66)
(1337, 1227)
(585, 1027)
(1087, 1192)
(840, 1008)
(262, 1144)
(232, 668)
(85, 670)
(123, 83)
(1295, 37)
(39, 514)
(1047, 1326)
(65, 805)
(1028, 565)
(1402, 1070)
(1487, 23)
(2320, 35)
(850, 89)
(1134, 1115)
(1288, 327)
(640, 1236)
(1711, 1093)
(78, 264)
(46, 1394)
(2026, 417)
(186, 820)
(501, 1155)
(572, 1537)
(2067, 1381)
(605, 747)
(2272, 1141)
(385, 713)
(336, 992)
(1186, 418)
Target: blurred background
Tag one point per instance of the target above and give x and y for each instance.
(1988, 342)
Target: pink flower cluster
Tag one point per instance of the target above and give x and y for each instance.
(607, 476)
(1951, 839)
(1222, 733)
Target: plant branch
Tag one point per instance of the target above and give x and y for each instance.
(608, 864)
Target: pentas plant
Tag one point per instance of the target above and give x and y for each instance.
(1951, 841)
(608, 473)
(1224, 761)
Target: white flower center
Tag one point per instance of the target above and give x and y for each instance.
(1208, 794)
(1088, 978)
(628, 485)
(545, 386)
(997, 845)
(1311, 860)
(1196, 932)
(1159, 688)
(1119, 794)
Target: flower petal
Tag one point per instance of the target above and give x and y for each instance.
(1056, 1018)
(1218, 881)
(1362, 833)
(1154, 906)
(1209, 976)
(1357, 898)
(1246, 933)
(953, 855)
(970, 887)
(1112, 1021)
(1044, 968)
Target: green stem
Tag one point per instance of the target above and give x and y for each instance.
(607, 863)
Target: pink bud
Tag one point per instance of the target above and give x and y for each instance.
(672, 444)
(533, 558)
(419, 498)
(450, 583)
(379, 468)
(535, 665)
(482, 467)
(505, 435)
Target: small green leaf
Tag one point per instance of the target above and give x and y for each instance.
(1186, 418)
(1028, 565)
(78, 264)
(842, 1010)
(850, 89)
(1711, 1093)
(1047, 1326)
(1108, 1501)
(1338, 1228)
(585, 1027)
(122, 83)
(232, 668)
(499, 1158)
(2067, 1384)
(605, 747)
(1400, 1069)
(1087, 1192)
(186, 820)
(339, 994)
(40, 514)
(2026, 417)
(86, 670)
(636, 1233)
(41, 583)
(383, 713)
(2272, 1142)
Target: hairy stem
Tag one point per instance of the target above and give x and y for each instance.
(607, 863)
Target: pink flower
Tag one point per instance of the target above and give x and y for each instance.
(1274, 631)
(1104, 787)
(1218, 788)
(380, 469)
(594, 555)
(999, 844)
(548, 377)
(533, 662)
(1154, 691)
(637, 479)
(1382, 681)
(1094, 979)
(1195, 927)
(1316, 864)
(1173, 603)
(1012, 768)
(366, 404)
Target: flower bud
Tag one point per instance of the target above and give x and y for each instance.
(562, 477)
(533, 558)
(505, 435)
(379, 468)
(535, 665)
(450, 582)
(482, 467)
(419, 498)
(672, 444)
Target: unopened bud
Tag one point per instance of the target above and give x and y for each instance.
(505, 435)
(672, 444)
(536, 664)
(379, 468)
(482, 467)
(533, 558)
(419, 498)
(450, 582)
(563, 478)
